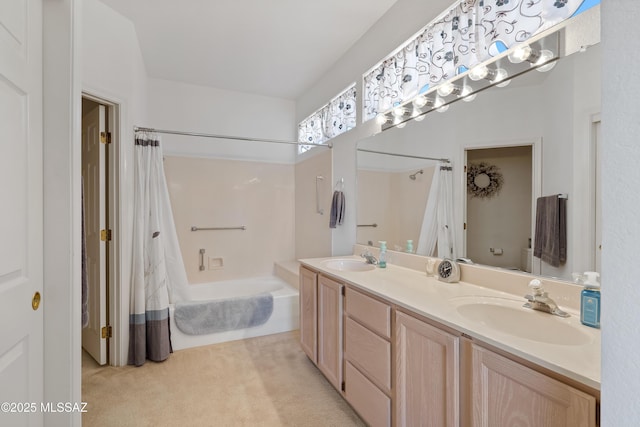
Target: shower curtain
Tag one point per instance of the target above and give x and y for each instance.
(158, 274)
(438, 221)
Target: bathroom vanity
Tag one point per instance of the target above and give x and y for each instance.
(405, 349)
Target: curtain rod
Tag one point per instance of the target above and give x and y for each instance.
(237, 138)
(404, 155)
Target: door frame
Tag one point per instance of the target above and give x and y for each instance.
(536, 182)
(114, 294)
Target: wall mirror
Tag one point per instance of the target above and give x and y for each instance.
(535, 137)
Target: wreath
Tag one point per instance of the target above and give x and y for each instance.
(483, 180)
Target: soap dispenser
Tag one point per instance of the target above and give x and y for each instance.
(382, 259)
(590, 300)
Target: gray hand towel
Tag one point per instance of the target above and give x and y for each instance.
(337, 209)
(551, 230)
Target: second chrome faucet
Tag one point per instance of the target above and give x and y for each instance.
(539, 300)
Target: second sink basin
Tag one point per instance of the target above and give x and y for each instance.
(508, 316)
(348, 264)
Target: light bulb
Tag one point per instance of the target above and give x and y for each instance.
(398, 111)
(466, 95)
(401, 125)
(440, 106)
(478, 72)
(420, 118)
(381, 119)
(545, 55)
(520, 54)
(445, 89)
(500, 77)
(420, 101)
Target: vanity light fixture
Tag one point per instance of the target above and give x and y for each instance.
(398, 111)
(446, 89)
(466, 94)
(532, 56)
(420, 101)
(381, 119)
(440, 106)
(499, 75)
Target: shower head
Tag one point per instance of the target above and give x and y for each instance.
(413, 176)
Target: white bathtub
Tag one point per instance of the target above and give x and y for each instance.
(284, 317)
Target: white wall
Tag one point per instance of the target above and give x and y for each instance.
(621, 203)
(113, 69)
(404, 19)
(191, 108)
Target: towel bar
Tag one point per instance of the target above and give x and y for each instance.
(374, 225)
(194, 228)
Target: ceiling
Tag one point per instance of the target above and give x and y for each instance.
(275, 48)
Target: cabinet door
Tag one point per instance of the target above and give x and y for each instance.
(427, 374)
(507, 394)
(308, 313)
(330, 330)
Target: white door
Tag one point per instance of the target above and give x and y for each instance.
(21, 213)
(93, 178)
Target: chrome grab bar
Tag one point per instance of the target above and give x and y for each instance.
(194, 228)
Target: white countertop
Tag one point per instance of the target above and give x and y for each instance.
(436, 300)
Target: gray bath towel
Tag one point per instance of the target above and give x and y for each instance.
(337, 209)
(208, 317)
(551, 230)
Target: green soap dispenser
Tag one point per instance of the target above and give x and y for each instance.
(590, 300)
(382, 259)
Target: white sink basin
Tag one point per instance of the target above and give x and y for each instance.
(509, 317)
(348, 264)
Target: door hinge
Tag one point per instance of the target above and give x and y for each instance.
(344, 291)
(464, 226)
(107, 332)
(465, 168)
(105, 137)
(342, 386)
(105, 235)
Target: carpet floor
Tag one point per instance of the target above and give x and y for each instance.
(264, 381)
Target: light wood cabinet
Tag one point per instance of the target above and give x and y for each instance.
(368, 357)
(506, 393)
(330, 330)
(308, 313)
(399, 368)
(427, 374)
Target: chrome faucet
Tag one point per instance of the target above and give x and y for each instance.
(540, 300)
(369, 257)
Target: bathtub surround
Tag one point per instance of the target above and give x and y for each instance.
(208, 317)
(158, 271)
(215, 192)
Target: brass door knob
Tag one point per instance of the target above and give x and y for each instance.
(35, 301)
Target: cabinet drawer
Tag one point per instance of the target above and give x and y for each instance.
(369, 352)
(374, 314)
(372, 404)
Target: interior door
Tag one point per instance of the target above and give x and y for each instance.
(21, 213)
(93, 179)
